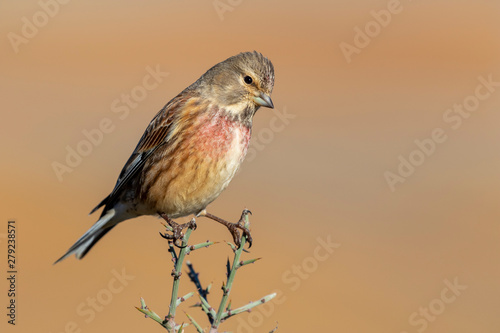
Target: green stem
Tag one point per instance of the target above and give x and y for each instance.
(177, 274)
(265, 299)
(227, 288)
(199, 329)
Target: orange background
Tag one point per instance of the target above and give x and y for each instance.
(321, 176)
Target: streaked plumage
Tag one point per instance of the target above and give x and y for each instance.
(191, 149)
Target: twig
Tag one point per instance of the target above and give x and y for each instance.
(176, 273)
(249, 306)
(224, 310)
(178, 260)
(202, 292)
(226, 289)
(193, 276)
(199, 329)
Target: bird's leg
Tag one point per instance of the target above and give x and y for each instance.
(233, 227)
(177, 233)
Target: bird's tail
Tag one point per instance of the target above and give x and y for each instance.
(92, 236)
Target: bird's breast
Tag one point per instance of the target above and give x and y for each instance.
(221, 136)
(223, 143)
(206, 160)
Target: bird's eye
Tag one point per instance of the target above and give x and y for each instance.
(248, 80)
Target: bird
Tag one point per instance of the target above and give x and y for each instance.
(189, 152)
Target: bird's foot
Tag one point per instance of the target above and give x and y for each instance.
(233, 227)
(177, 235)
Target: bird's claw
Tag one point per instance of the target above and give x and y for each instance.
(233, 228)
(177, 234)
(191, 224)
(244, 213)
(246, 233)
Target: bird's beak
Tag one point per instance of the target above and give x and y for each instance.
(264, 100)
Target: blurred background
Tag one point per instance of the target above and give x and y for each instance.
(366, 221)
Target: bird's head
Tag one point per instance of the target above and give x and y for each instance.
(241, 84)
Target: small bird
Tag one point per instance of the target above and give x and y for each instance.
(190, 151)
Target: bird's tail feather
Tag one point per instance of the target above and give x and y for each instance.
(91, 237)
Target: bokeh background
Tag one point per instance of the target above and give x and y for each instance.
(316, 173)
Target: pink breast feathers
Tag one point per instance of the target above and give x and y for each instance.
(220, 135)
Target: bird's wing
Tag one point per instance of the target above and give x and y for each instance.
(155, 136)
